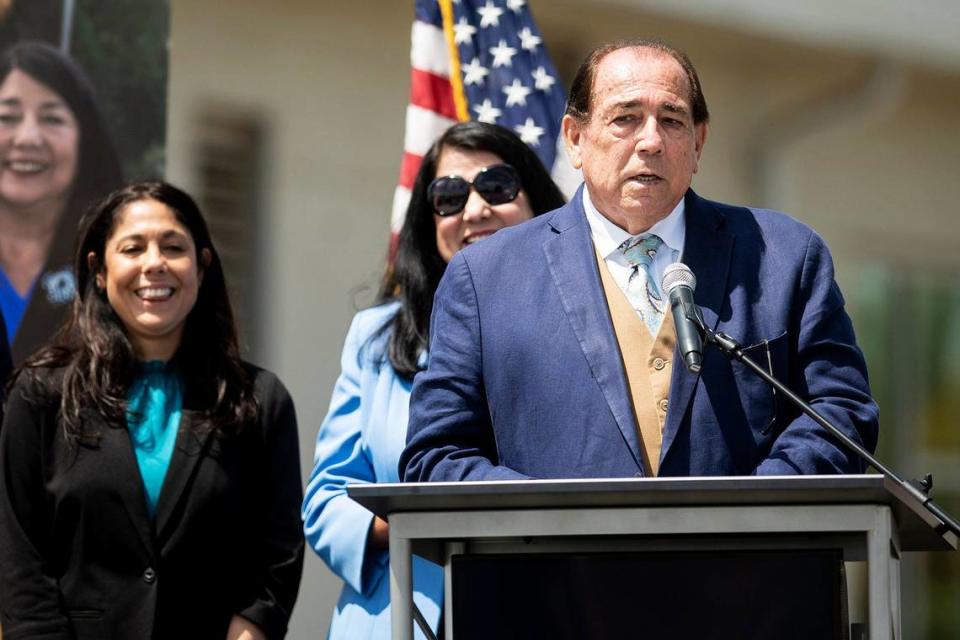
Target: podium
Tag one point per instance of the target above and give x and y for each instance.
(862, 519)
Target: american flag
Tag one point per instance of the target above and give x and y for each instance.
(481, 60)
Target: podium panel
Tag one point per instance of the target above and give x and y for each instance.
(699, 523)
(784, 594)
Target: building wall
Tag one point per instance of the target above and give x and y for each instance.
(330, 91)
(863, 148)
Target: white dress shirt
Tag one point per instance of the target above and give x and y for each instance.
(607, 237)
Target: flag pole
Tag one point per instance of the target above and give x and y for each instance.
(66, 25)
(456, 79)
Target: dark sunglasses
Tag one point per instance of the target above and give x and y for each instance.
(497, 184)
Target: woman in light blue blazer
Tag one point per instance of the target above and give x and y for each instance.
(476, 179)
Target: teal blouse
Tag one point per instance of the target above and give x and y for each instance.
(154, 406)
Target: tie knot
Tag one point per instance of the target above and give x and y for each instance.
(640, 251)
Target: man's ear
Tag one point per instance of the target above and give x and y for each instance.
(572, 130)
(700, 138)
(92, 265)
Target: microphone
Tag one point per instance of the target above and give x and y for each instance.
(679, 283)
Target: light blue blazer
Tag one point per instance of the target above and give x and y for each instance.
(360, 441)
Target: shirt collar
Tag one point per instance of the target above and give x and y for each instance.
(607, 237)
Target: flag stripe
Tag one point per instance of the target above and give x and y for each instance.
(408, 169)
(401, 199)
(423, 127)
(428, 50)
(432, 92)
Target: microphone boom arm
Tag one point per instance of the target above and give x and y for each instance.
(918, 489)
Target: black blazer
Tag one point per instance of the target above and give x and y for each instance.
(80, 557)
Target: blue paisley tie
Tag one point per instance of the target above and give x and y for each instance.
(642, 291)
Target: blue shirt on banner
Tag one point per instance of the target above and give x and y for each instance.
(12, 305)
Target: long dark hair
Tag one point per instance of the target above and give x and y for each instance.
(98, 164)
(96, 354)
(418, 267)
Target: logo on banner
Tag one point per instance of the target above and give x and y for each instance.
(60, 286)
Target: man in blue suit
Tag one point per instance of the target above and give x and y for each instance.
(552, 348)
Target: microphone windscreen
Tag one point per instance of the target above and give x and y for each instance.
(677, 275)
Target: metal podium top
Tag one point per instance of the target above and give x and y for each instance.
(917, 527)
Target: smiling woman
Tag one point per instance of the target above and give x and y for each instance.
(56, 157)
(151, 273)
(40, 135)
(490, 198)
(151, 481)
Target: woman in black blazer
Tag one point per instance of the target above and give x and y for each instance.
(149, 478)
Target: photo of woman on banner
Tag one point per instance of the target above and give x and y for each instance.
(56, 157)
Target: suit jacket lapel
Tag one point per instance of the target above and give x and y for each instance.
(189, 450)
(116, 448)
(707, 251)
(572, 262)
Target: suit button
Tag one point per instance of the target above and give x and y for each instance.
(659, 363)
(149, 575)
(663, 404)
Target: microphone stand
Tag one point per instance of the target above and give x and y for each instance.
(422, 622)
(917, 489)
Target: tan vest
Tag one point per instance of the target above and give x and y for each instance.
(647, 361)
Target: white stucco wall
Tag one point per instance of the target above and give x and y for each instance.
(331, 88)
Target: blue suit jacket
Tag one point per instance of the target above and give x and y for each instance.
(526, 380)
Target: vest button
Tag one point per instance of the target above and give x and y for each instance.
(149, 575)
(659, 363)
(663, 404)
